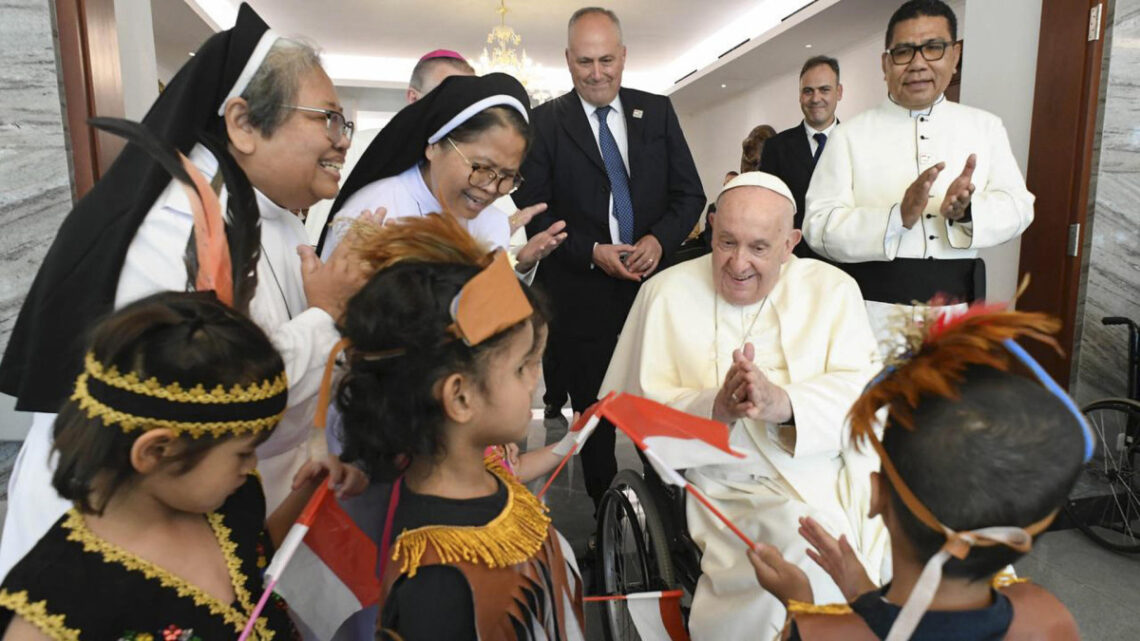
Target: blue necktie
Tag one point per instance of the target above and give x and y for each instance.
(821, 139)
(619, 181)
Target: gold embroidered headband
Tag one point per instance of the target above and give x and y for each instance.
(131, 404)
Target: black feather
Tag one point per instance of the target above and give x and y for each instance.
(243, 224)
(165, 155)
(137, 134)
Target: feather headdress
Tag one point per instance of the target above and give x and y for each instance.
(217, 243)
(931, 361)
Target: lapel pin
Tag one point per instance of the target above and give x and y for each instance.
(637, 113)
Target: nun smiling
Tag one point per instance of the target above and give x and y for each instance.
(455, 150)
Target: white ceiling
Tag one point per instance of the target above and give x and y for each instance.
(375, 42)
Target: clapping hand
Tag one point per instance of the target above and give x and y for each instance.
(918, 195)
(959, 193)
(837, 558)
(540, 246)
(784, 580)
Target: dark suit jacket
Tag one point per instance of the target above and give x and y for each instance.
(565, 170)
(787, 155)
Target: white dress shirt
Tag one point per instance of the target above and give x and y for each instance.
(616, 121)
(812, 131)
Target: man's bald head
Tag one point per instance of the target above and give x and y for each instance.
(429, 72)
(753, 236)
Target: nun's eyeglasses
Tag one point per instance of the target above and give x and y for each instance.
(337, 126)
(484, 177)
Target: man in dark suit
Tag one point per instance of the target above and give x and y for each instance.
(792, 153)
(613, 163)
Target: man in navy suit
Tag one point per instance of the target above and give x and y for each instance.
(792, 153)
(612, 162)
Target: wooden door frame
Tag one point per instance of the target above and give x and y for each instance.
(1066, 97)
(91, 83)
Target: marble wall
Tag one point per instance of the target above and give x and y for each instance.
(1112, 242)
(35, 180)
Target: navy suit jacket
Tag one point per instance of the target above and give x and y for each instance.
(565, 170)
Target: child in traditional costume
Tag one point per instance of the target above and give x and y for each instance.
(977, 459)
(168, 535)
(444, 354)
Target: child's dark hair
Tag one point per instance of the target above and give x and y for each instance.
(388, 402)
(1006, 452)
(189, 338)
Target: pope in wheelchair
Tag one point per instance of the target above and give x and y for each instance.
(778, 348)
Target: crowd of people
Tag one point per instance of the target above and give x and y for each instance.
(894, 454)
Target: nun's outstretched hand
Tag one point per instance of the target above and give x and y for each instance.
(540, 246)
(522, 217)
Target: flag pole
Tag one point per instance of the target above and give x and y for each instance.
(554, 474)
(671, 476)
(285, 553)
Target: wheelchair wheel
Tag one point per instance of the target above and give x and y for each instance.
(1105, 503)
(633, 550)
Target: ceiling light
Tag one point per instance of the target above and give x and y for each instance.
(723, 86)
(807, 46)
(506, 55)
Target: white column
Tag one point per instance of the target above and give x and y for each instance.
(999, 71)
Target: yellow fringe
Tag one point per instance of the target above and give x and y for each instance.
(514, 536)
(799, 607)
(1006, 578)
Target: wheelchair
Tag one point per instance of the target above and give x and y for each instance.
(643, 545)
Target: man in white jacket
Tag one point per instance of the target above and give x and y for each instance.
(778, 348)
(905, 194)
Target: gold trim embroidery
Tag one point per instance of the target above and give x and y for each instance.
(174, 392)
(1006, 578)
(799, 607)
(111, 553)
(512, 537)
(36, 613)
(128, 422)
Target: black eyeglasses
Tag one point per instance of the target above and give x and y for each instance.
(931, 51)
(337, 126)
(485, 176)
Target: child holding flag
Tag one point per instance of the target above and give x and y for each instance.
(444, 357)
(168, 535)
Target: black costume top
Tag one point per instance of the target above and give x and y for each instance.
(74, 585)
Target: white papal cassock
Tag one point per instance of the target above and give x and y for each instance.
(852, 206)
(812, 339)
(303, 335)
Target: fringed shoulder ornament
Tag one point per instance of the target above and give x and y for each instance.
(512, 537)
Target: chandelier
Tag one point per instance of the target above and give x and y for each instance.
(504, 53)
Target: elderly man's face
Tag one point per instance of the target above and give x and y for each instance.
(752, 237)
(917, 84)
(299, 164)
(596, 58)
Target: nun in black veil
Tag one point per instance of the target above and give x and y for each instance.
(257, 112)
(455, 150)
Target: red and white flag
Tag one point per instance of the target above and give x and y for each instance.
(656, 615)
(332, 566)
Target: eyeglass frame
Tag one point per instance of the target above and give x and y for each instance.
(919, 49)
(347, 128)
(495, 179)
